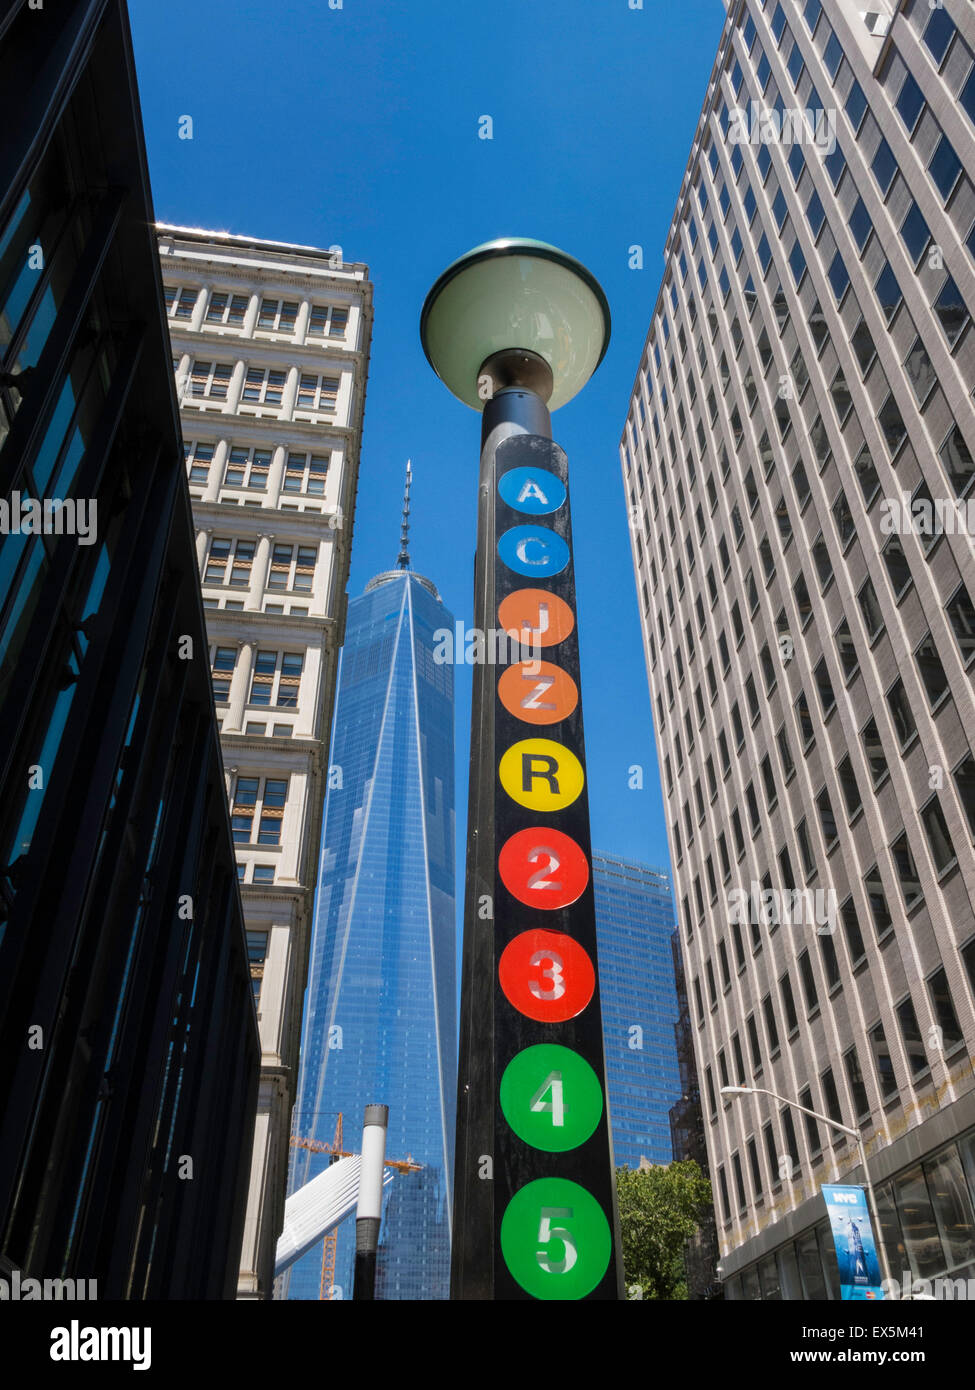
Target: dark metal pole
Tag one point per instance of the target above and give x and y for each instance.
(511, 412)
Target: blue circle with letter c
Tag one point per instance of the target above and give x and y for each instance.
(532, 490)
(533, 550)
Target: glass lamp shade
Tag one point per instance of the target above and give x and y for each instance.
(515, 293)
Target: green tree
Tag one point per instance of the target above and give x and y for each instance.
(660, 1208)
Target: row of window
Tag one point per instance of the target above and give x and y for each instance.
(304, 473)
(262, 386)
(276, 678)
(273, 315)
(230, 562)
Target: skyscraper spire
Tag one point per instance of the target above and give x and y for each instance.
(404, 536)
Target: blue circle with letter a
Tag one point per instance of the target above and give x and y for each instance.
(533, 550)
(532, 490)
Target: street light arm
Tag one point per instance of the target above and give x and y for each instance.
(835, 1124)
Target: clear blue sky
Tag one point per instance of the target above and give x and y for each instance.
(359, 127)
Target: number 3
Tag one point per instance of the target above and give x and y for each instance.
(553, 973)
(547, 1232)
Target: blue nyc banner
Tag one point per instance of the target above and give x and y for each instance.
(856, 1252)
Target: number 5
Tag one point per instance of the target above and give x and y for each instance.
(547, 1232)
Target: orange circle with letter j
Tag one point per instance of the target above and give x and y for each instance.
(535, 618)
(538, 692)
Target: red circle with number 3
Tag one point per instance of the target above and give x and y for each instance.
(543, 868)
(546, 976)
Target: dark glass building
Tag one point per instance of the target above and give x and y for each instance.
(127, 1026)
(634, 924)
(380, 1016)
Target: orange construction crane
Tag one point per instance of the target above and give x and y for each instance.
(318, 1146)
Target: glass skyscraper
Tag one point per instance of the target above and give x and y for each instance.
(634, 924)
(380, 1018)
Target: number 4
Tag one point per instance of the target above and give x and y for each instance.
(547, 1232)
(557, 1104)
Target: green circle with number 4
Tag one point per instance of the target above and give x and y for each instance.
(555, 1239)
(551, 1097)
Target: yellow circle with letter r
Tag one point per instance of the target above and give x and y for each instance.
(541, 774)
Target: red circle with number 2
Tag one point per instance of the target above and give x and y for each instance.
(543, 868)
(546, 975)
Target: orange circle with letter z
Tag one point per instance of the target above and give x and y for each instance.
(538, 692)
(535, 618)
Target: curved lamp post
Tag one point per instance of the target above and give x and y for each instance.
(515, 329)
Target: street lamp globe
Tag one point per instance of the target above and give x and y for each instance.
(517, 312)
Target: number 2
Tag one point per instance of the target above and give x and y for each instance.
(538, 878)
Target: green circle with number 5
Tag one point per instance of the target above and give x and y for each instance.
(555, 1239)
(551, 1097)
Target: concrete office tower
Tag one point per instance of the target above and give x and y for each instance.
(806, 381)
(634, 925)
(380, 1024)
(270, 349)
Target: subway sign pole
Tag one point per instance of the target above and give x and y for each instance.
(513, 328)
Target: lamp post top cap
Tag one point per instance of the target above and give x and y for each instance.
(515, 293)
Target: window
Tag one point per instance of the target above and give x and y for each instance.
(276, 679)
(920, 370)
(877, 899)
(951, 311)
(831, 1098)
(317, 393)
(754, 1045)
(944, 1011)
(939, 838)
(229, 562)
(932, 672)
(807, 975)
(788, 766)
(846, 647)
(965, 782)
(791, 1144)
(957, 461)
(292, 567)
(915, 233)
(805, 847)
(768, 1008)
(897, 566)
(909, 103)
(831, 964)
(825, 687)
(851, 929)
(210, 380)
(911, 1034)
(272, 812)
(848, 783)
(263, 386)
(327, 321)
(247, 468)
(826, 818)
(884, 167)
(788, 1005)
(874, 750)
(804, 720)
(858, 1090)
(183, 306)
(221, 669)
(938, 34)
(306, 473)
(198, 458)
(812, 1127)
(277, 315)
(944, 167)
(227, 308)
(883, 1065)
(888, 292)
(873, 618)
